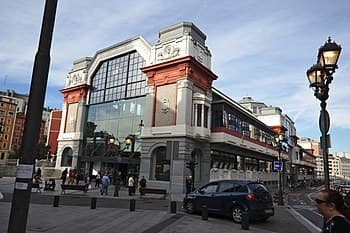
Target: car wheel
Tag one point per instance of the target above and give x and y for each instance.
(237, 214)
(190, 207)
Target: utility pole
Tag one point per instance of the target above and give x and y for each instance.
(25, 169)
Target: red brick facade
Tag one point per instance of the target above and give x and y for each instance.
(54, 129)
(19, 129)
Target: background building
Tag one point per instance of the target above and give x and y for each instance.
(301, 162)
(7, 121)
(15, 127)
(20, 99)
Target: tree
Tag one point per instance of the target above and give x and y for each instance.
(16, 153)
(42, 151)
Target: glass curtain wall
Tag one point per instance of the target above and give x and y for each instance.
(116, 103)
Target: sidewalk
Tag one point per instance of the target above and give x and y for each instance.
(153, 217)
(7, 186)
(44, 218)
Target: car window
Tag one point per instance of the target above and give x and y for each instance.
(242, 189)
(211, 188)
(226, 187)
(256, 187)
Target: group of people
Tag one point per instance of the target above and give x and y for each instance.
(74, 176)
(107, 179)
(132, 183)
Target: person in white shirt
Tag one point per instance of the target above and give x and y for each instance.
(131, 185)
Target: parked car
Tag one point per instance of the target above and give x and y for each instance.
(231, 198)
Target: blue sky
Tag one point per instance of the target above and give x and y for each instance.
(259, 48)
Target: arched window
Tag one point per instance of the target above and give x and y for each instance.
(161, 164)
(67, 156)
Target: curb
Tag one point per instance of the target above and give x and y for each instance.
(306, 222)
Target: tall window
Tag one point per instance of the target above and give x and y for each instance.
(206, 113)
(199, 115)
(162, 164)
(201, 112)
(119, 78)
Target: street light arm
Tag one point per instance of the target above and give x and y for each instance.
(322, 93)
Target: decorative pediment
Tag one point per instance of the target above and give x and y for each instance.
(76, 78)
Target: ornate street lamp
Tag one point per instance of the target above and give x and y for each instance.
(320, 76)
(130, 140)
(279, 140)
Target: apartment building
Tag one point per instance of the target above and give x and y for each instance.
(7, 121)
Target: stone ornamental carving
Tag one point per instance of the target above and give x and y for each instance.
(168, 52)
(165, 105)
(200, 56)
(75, 78)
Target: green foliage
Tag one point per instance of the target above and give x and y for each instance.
(42, 151)
(14, 154)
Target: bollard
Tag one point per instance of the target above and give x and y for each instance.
(56, 200)
(173, 207)
(132, 204)
(204, 212)
(93, 203)
(245, 220)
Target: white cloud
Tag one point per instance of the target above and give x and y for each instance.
(259, 53)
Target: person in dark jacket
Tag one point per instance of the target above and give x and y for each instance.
(142, 184)
(330, 204)
(188, 184)
(117, 182)
(64, 175)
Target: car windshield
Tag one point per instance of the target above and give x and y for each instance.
(257, 187)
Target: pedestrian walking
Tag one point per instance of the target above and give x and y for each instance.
(87, 179)
(98, 180)
(64, 175)
(71, 176)
(105, 181)
(188, 184)
(330, 204)
(142, 185)
(131, 185)
(117, 184)
(77, 176)
(143, 182)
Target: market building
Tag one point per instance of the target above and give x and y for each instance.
(161, 99)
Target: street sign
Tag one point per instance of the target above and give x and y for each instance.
(277, 165)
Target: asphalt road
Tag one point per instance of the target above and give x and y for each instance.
(302, 202)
